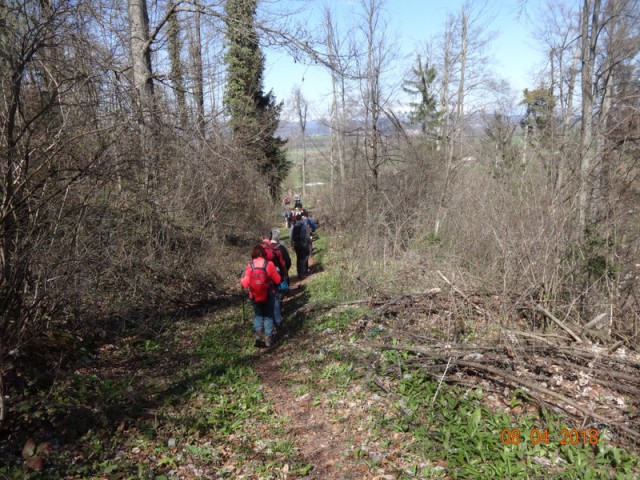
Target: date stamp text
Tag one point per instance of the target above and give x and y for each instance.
(567, 437)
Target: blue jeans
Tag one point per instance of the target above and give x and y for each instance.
(263, 315)
(277, 314)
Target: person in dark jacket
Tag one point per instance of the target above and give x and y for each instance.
(275, 238)
(300, 241)
(284, 273)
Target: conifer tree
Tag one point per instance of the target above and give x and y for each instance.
(424, 111)
(254, 115)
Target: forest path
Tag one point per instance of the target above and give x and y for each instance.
(321, 441)
(320, 437)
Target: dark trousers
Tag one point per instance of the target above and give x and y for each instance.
(302, 257)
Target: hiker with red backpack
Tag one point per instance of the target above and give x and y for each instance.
(275, 255)
(259, 277)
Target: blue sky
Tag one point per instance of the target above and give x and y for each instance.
(411, 23)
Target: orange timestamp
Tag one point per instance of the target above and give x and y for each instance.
(568, 436)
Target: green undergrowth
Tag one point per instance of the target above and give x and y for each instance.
(336, 283)
(188, 403)
(474, 440)
(204, 410)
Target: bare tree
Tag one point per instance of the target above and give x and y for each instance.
(56, 151)
(377, 61)
(590, 26)
(196, 59)
(339, 54)
(560, 33)
(140, 42)
(463, 57)
(175, 50)
(301, 107)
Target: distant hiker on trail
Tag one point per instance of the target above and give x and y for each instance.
(259, 277)
(310, 223)
(300, 241)
(286, 200)
(284, 284)
(289, 218)
(297, 202)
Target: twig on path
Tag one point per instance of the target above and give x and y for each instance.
(435, 395)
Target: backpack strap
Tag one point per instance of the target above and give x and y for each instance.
(263, 267)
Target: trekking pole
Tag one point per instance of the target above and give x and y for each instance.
(244, 297)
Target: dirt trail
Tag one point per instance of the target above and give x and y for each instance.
(321, 440)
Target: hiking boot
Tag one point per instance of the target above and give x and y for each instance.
(257, 339)
(267, 342)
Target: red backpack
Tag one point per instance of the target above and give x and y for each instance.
(259, 282)
(275, 255)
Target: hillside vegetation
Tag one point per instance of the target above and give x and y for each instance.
(473, 310)
(382, 386)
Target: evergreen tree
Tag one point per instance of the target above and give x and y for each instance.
(540, 104)
(254, 115)
(421, 85)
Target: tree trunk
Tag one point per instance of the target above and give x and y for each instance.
(196, 56)
(302, 107)
(142, 81)
(338, 106)
(591, 8)
(567, 118)
(463, 63)
(372, 89)
(175, 47)
(141, 53)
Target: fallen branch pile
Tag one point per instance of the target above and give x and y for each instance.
(591, 387)
(473, 339)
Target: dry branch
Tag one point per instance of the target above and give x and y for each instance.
(552, 317)
(524, 382)
(594, 322)
(479, 309)
(544, 338)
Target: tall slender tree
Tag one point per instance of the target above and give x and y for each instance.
(375, 63)
(253, 115)
(175, 48)
(302, 106)
(196, 60)
(589, 30)
(141, 51)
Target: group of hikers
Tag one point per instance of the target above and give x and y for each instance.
(266, 276)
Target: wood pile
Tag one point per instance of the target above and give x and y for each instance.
(477, 340)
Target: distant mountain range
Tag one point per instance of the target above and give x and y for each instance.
(290, 129)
